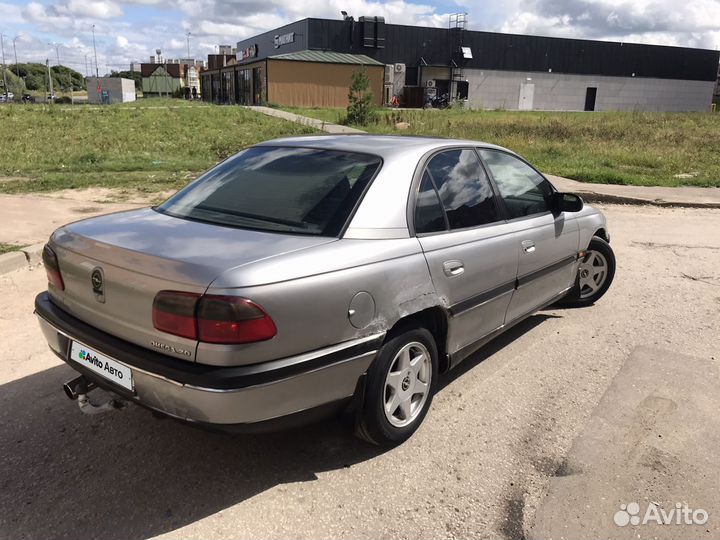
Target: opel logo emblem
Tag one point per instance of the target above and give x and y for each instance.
(97, 281)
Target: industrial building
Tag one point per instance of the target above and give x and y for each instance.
(295, 65)
(108, 90)
(165, 77)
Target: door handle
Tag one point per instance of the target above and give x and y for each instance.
(528, 246)
(453, 268)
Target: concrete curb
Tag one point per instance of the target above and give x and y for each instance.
(327, 127)
(24, 258)
(15, 260)
(594, 197)
(677, 197)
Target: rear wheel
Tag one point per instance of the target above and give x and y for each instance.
(399, 388)
(595, 274)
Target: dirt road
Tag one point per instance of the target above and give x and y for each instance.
(498, 433)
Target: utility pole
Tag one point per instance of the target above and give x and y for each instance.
(188, 44)
(97, 73)
(50, 86)
(87, 71)
(17, 69)
(2, 46)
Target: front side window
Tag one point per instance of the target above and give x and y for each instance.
(278, 189)
(524, 190)
(464, 188)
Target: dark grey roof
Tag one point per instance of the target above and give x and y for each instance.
(328, 58)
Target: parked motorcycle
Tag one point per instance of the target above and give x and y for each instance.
(439, 102)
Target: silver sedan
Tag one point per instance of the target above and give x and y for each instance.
(308, 275)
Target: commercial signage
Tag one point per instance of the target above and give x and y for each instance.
(249, 52)
(284, 39)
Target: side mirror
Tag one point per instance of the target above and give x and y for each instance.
(567, 202)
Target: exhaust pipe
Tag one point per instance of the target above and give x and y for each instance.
(78, 389)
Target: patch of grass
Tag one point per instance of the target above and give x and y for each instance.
(152, 144)
(7, 248)
(608, 147)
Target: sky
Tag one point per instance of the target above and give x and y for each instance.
(130, 31)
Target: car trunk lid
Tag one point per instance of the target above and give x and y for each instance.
(138, 253)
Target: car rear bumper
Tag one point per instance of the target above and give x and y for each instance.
(222, 396)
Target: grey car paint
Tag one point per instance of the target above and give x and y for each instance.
(307, 284)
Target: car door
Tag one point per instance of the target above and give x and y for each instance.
(547, 241)
(469, 248)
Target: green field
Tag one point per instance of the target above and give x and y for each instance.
(158, 144)
(149, 145)
(610, 148)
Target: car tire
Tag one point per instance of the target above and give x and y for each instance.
(399, 388)
(595, 275)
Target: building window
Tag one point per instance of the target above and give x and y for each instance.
(257, 86)
(244, 88)
(411, 76)
(228, 93)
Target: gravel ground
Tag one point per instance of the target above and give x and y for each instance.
(479, 467)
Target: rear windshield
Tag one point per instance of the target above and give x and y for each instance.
(278, 189)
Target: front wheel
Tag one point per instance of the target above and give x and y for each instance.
(399, 389)
(595, 274)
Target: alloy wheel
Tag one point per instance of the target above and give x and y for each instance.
(407, 384)
(593, 272)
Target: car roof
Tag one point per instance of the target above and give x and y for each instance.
(385, 146)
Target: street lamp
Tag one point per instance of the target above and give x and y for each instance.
(97, 73)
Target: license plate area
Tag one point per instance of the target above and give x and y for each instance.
(106, 367)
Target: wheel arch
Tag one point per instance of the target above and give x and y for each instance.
(435, 320)
(602, 233)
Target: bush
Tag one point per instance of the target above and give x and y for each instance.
(360, 110)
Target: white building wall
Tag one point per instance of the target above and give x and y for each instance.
(489, 89)
(119, 90)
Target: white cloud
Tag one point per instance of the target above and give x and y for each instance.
(10, 13)
(95, 9)
(666, 22)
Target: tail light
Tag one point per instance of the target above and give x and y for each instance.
(211, 318)
(52, 268)
(174, 313)
(230, 319)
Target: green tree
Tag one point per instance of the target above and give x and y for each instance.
(15, 83)
(360, 109)
(65, 77)
(34, 76)
(134, 75)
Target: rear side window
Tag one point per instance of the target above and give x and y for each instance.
(464, 188)
(278, 189)
(524, 190)
(428, 211)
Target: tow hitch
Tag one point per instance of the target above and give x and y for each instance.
(78, 390)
